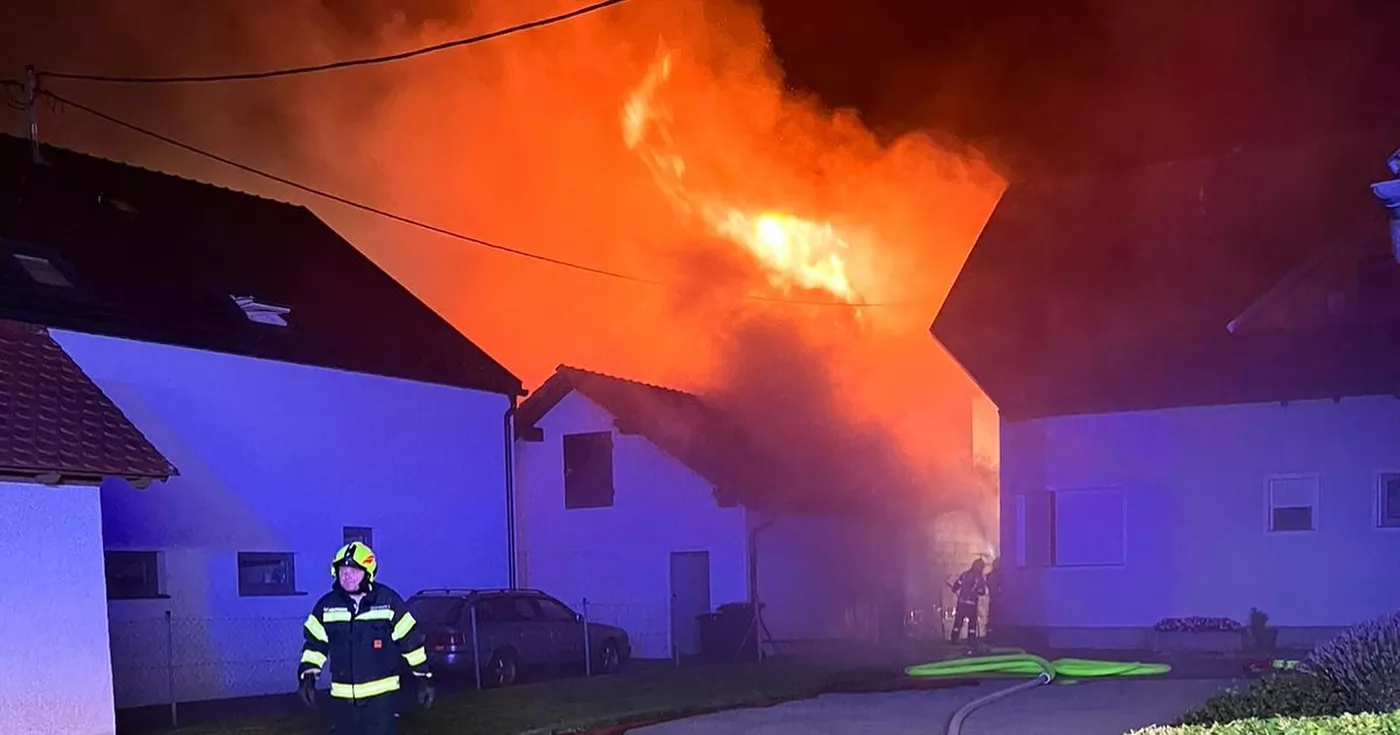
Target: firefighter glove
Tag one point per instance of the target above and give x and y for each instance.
(427, 693)
(306, 690)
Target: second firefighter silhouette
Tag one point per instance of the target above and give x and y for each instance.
(970, 587)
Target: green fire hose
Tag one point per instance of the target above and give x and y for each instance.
(1025, 664)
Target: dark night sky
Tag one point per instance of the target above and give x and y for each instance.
(1078, 81)
(1045, 86)
(1085, 82)
(1058, 84)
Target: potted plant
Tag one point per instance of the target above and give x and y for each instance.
(1262, 638)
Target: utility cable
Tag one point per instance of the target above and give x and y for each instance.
(336, 65)
(409, 220)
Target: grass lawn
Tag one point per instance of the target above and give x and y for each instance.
(574, 704)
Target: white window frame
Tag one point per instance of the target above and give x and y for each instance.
(1023, 537)
(1269, 480)
(1122, 492)
(1020, 510)
(1379, 492)
(39, 267)
(260, 313)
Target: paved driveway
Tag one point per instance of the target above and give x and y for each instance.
(1108, 707)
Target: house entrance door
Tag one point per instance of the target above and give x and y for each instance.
(690, 598)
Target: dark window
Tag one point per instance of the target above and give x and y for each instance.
(265, 574)
(1390, 498)
(133, 575)
(554, 611)
(437, 610)
(1298, 518)
(358, 534)
(588, 470)
(43, 271)
(1292, 500)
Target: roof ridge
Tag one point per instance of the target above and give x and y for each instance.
(562, 367)
(145, 170)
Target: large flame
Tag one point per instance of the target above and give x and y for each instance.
(796, 252)
(718, 181)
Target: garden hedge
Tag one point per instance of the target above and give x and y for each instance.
(1385, 724)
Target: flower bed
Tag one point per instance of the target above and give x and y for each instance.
(1197, 625)
(1198, 634)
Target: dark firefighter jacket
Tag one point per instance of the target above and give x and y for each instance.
(363, 643)
(969, 587)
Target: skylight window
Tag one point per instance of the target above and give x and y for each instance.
(261, 313)
(43, 271)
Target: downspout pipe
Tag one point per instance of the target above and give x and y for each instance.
(1389, 194)
(754, 602)
(508, 431)
(753, 560)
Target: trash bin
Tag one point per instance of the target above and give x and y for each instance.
(729, 635)
(712, 642)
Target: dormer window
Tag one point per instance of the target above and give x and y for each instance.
(261, 313)
(42, 271)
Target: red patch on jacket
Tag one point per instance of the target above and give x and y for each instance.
(378, 644)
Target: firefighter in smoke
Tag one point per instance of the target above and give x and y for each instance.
(362, 630)
(993, 596)
(969, 587)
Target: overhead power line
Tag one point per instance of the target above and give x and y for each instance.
(336, 65)
(409, 220)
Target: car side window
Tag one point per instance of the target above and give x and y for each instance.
(496, 610)
(485, 612)
(554, 611)
(525, 610)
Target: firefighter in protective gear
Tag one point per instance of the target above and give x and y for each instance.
(969, 587)
(362, 630)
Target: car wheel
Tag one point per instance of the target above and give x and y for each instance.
(609, 659)
(503, 670)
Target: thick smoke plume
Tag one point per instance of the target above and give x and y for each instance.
(520, 141)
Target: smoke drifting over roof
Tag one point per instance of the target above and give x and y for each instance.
(521, 141)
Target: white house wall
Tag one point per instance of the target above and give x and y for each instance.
(279, 458)
(53, 613)
(619, 557)
(825, 577)
(1194, 538)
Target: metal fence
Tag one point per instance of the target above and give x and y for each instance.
(169, 659)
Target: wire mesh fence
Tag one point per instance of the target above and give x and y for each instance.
(169, 658)
(647, 625)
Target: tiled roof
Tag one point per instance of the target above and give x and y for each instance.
(56, 421)
(162, 259)
(679, 423)
(1112, 291)
(717, 445)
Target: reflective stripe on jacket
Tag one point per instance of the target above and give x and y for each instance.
(363, 644)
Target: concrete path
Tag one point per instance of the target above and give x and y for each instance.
(1108, 707)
